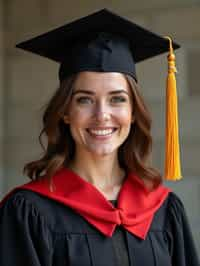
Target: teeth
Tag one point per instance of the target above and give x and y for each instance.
(101, 132)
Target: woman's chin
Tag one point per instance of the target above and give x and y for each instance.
(102, 151)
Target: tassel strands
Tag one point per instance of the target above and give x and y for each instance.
(172, 150)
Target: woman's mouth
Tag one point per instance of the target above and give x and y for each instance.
(101, 132)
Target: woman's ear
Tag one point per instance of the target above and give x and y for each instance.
(132, 119)
(66, 119)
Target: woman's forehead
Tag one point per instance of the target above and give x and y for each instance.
(101, 82)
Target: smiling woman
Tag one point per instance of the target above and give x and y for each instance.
(94, 198)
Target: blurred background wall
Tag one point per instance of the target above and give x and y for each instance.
(27, 82)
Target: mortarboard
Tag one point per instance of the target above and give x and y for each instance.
(106, 42)
(102, 41)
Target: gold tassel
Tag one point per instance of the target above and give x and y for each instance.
(172, 152)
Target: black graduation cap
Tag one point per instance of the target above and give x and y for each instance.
(102, 41)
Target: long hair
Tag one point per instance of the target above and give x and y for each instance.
(59, 150)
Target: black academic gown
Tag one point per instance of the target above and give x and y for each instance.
(37, 231)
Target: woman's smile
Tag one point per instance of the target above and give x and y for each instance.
(101, 133)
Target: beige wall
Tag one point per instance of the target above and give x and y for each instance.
(30, 81)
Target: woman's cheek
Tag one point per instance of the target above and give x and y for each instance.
(79, 115)
(124, 115)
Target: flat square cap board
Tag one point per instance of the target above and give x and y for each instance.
(102, 41)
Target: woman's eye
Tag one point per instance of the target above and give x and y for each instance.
(118, 99)
(84, 100)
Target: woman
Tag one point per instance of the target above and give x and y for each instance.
(94, 199)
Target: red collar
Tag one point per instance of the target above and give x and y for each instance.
(135, 209)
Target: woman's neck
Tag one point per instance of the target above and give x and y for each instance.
(104, 173)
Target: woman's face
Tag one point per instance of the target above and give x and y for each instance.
(100, 112)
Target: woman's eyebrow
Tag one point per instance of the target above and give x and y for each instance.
(118, 91)
(83, 91)
(92, 92)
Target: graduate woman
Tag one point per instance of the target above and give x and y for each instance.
(94, 200)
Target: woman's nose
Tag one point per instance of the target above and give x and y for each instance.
(102, 113)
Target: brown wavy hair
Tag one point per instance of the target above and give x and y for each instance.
(59, 150)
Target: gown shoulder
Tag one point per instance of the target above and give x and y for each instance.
(24, 234)
(182, 247)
